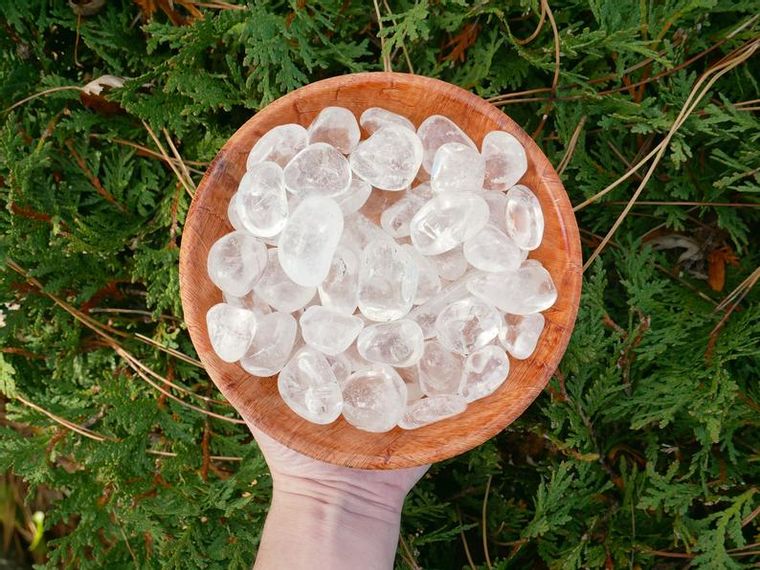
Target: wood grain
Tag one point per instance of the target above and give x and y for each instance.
(257, 399)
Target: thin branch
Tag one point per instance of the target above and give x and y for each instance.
(179, 160)
(170, 162)
(484, 512)
(571, 146)
(700, 204)
(403, 45)
(62, 421)
(42, 94)
(555, 79)
(385, 56)
(537, 31)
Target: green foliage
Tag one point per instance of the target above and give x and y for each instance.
(643, 452)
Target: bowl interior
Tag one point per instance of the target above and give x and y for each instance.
(257, 399)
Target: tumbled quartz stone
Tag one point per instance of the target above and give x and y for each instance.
(484, 371)
(359, 231)
(235, 262)
(309, 239)
(278, 290)
(279, 145)
(248, 301)
(232, 213)
(528, 289)
(467, 325)
(497, 208)
(451, 265)
(354, 197)
(328, 331)
(436, 131)
(318, 170)
(337, 127)
(524, 218)
(440, 370)
(432, 409)
(376, 118)
(271, 346)
(426, 314)
(520, 334)
(457, 167)
(308, 386)
(423, 190)
(395, 218)
(505, 159)
(398, 343)
(428, 281)
(355, 360)
(262, 205)
(387, 281)
(492, 250)
(389, 159)
(374, 398)
(230, 330)
(447, 220)
(339, 290)
(413, 392)
(340, 365)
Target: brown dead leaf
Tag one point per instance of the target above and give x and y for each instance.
(716, 266)
(148, 8)
(461, 42)
(93, 94)
(86, 7)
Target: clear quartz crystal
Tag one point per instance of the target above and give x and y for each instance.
(354, 197)
(340, 365)
(447, 220)
(389, 159)
(438, 130)
(395, 218)
(423, 190)
(492, 250)
(374, 398)
(261, 203)
(279, 145)
(484, 371)
(235, 262)
(359, 231)
(467, 325)
(457, 167)
(309, 387)
(376, 118)
(527, 290)
(520, 333)
(387, 281)
(426, 314)
(248, 301)
(230, 330)
(272, 345)
(432, 409)
(232, 214)
(505, 159)
(398, 343)
(278, 290)
(328, 331)
(309, 239)
(451, 265)
(318, 170)
(524, 218)
(497, 208)
(339, 290)
(428, 281)
(337, 127)
(440, 370)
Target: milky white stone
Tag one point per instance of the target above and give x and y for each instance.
(492, 250)
(356, 361)
(527, 290)
(435, 131)
(484, 371)
(426, 314)
(432, 409)
(248, 301)
(309, 239)
(505, 159)
(359, 231)
(230, 330)
(447, 220)
(235, 262)
(423, 190)
(395, 218)
(389, 159)
(451, 265)
(232, 214)
(413, 392)
(497, 208)
(278, 145)
(387, 281)
(440, 370)
(328, 331)
(261, 203)
(376, 118)
(335, 126)
(524, 218)
(339, 291)
(318, 170)
(279, 291)
(340, 365)
(428, 281)
(272, 345)
(467, 325)
(309, 387)
(374, 398)
(398, 343)
(354, 197)
(457, 167)
(520, 334)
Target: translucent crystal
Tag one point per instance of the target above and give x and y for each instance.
(524, 218)
(527, 290)
(506, 161)
(492, 250)
(423, 190)
(484, 371)
(428, 281)
(335, 126)
(359, 231)
(262, 206)
(248, 301)
(387, 281)
(447, 220)
(235, 262)
(340, 365)
(520, 334)
(398, 343)
(230, 330)
(413, 392)
(374, 398)
(279, 145)
(440, 370)
(426, 314)
(308, 386)
(395, 218)
(451, 265)
(389, 159)
(271, 346)
(497, 208)
(277, 289)
(309, 240)
(232, 214)
(432, 409)
(467, 325)
(354, 197)
(356, 361)
(376, 118)
(318, 170)
(435, 131)
(340, 288)
(457, 167)
(328, 331)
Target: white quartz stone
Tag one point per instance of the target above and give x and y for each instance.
(272, 345)
(438, 130)
(261, 202)
(318, 170)
(339, 290)
(232, 214)
(389, 159)
(484, 371)
(467, 325)
(395, 218)
(428, 281)
(387, 281)
(376, 118)
(354, 197)
(520, 334)
(235, 262)
(497, 208)
(432, 409)
(308, 386)
(457, 167)
(248, 301)
(356, 361)
(279, 145)
(398, 343)
(527, 290)
(279, 291)
(328, 331)
(440, 370)
(340, 365)
(506, 161)
(426, 314)
(492, 250)
(451, 265)
(524, 218)
(337, 127)
(423, 190)
(447, 220)
(374, 398)
(359, 231)
(230, 330)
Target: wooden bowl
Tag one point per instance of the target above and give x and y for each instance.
(258, 400)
